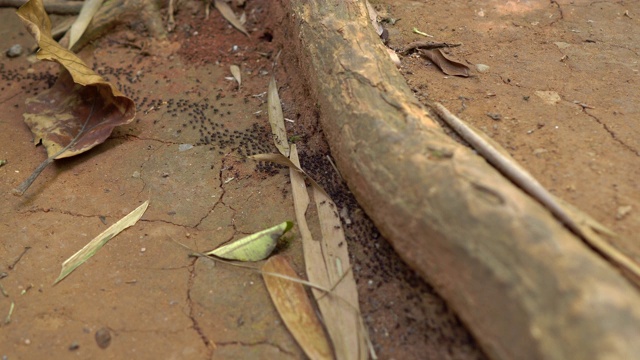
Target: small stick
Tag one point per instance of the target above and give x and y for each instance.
(58, 7)
(513, 171)
(427, 45)
(171, 23)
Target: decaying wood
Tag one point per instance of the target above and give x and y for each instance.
(524, 285)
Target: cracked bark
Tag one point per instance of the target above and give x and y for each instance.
(523, 284)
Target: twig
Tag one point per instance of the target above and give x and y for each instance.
(529, 184)
(171, 23)
(26, 248)
(19, 191)
(427, 45)
(60, 8)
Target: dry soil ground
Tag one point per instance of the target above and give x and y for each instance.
(158, 303)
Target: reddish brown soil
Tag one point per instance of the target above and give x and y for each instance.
(156, 302)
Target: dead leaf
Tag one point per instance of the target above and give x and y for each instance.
(235, 71)
(254, 247)
(89, 9)
(81, 109)
(282, 160)
(276, 119)
(326, 266)
(228, 14)
(326, 259)
(99, 241)
(447, 66)
(295, 309)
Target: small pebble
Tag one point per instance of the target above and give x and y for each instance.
(494, 116)
(185, 147)
(14, 51)
(482, 68)
(74, 346)
(103, 338)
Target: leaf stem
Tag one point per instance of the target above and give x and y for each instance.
(20, 190)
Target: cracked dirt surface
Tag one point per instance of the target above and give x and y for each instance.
(186, 153)
(157, 302)
(585, 147)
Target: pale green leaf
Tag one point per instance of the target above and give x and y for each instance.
(254, 247)
(99, 241)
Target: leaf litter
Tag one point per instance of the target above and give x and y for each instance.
(295, 308)
(81, 109)
(99, 241)
(326, 259)
(230, 16)
(235, 71)
(447, 66)
(89, 9)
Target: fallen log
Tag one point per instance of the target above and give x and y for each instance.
(525, 286)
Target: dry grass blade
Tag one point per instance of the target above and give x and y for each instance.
(293, 305)
(99, 241)
(89, 9)
(276, 119)
(228, 14)
(578, 222)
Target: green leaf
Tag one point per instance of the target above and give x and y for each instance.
(254, 247)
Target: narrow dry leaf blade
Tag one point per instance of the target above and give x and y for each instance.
(295, 309)
(326, 264)
(282, 160)
(276, 119)
(89, 9)
(235, 71)
(447, 66)
(254, 247)
(99, 241)
(228, 14)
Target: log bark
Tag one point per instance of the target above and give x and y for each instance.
(524, 285)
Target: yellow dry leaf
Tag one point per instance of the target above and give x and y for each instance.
(295, 309)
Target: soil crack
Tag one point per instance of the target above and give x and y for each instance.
(611, 133)
(257, 343)
(195, 325)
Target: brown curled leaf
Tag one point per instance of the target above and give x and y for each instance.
(57, 115)
(447, 66)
